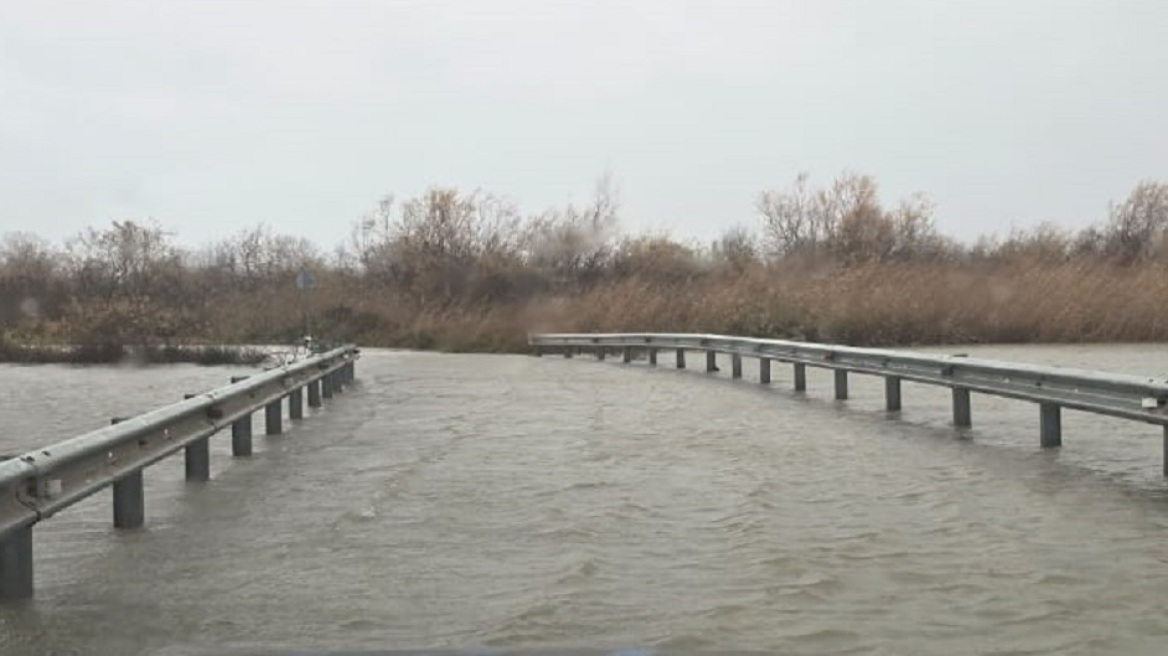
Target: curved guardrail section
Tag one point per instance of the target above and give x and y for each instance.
(38, 484)
(1052, 388)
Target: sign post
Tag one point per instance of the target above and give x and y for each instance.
(305, 284)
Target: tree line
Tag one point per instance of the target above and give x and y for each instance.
(471, 271)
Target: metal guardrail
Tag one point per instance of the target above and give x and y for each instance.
(1052, 388)
(38, 484)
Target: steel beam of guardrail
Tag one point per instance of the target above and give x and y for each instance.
(1052, 388)
(38, 484)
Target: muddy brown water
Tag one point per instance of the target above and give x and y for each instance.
(455, 501)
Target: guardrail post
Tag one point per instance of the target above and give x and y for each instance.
(337, 381)
(892, 393)
(841, 384)
(241, 430)
(296, 404)
(681, 358)
(800, 377)
(326, 386)
(736, 366)
(273, 419)
(129, 497)
(567, 352)
(1166, 451)
(627, 354)
(652, 357)
(16, 573)
(962, 417)
(711, 361)
(764, 371)
(1051, 425)
(197, 457)
(314, 394)
(600, 352)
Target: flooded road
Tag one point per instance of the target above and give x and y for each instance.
(451, 501)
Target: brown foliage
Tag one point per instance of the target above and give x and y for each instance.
(466, 271)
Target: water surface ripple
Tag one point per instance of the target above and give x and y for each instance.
(450, 501)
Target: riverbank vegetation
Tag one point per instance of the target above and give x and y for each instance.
(468, 271)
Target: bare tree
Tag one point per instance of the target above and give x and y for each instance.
(1136, 227)
(736, 249)
(790, 224)
(845, 221)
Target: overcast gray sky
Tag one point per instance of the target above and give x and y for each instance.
(214, 115)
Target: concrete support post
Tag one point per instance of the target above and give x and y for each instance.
(764, 371)
(800, 377)
(16, 579)
(841, 384)
(273, 418)
(314, 394)
(962, 416)
(892, 393)
(711, 361)
(197, 458)
(296, 404)
(681, 358)
(627, 354)
(736, 366)
(129, 497)
(241, 431)
(652, 357)
(1050, 425)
